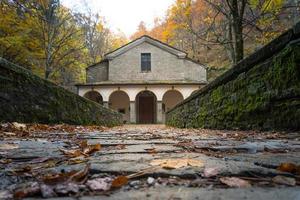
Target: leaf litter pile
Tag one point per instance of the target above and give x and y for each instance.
(34, 177)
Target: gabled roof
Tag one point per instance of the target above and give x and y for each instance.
(150, 40)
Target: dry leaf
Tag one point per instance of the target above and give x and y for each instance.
(83, 144)
(19, 126)
(5, 161)
(80, 175)
(210, 172)
(30, 190)
(176, 163)
(71, 153)
(235, 182)
(287, 167)
(8, 146)
(77, 160)
(284, 180)
(68, 176)
(92, 148)
(119, 181)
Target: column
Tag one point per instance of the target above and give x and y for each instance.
(105, 104)
(132, 112)
(159, 113)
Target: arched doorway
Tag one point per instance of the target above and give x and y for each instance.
(119, 101)
(94, 96)
(146, 107)
(170, 99)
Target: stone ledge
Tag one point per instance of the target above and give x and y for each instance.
(25, 97)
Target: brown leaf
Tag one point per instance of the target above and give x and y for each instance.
(30, 190)
(71, 153)
(287, 167)
(284, 180)
(119, 181)
(92, 148)
(80, 175)
(83, 144)
(57, 178)
(176, 163)
(151, 151)
(235, 182)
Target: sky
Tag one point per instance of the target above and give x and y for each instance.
(124, 15)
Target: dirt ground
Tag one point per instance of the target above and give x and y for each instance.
(146, 162)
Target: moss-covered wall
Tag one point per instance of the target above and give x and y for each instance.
(25, 97)
(262, 92)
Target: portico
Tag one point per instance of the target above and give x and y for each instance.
(139, 103)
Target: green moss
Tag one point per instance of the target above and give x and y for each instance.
(266, 98)
(32, 99)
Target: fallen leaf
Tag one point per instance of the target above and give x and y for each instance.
(19, 126)
(8, 146)
(288, 167)
(77, 176)
(119, 181)
(77, 160)
(235, 182)
(71, 153)
(92, 148)
(5, 161)
(210, 172)
(99, 184)
(83, 144)
(29, 190)
(176, 163)
(80, 175)
(284, 180)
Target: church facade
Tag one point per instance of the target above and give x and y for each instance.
(143, 80)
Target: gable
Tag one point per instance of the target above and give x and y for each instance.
(141, 40)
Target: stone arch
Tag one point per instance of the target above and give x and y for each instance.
(170, 99)
(119, 101)
(94, 96)
(146, 104)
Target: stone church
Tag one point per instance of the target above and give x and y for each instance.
(143, 80)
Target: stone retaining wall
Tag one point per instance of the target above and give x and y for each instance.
(261, 92)
(25, 97)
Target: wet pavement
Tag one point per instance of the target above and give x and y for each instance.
(253, 157)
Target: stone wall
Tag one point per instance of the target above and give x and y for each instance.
(97, 72)
(25, 97)
(164, 66)
(262, 92)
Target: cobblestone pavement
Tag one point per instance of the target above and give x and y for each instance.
(189, 164)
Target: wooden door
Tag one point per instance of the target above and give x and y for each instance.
(146, 109)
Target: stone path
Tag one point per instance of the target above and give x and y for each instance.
(128, 150)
